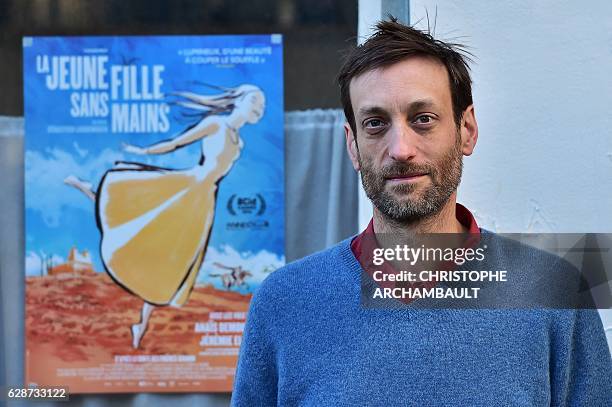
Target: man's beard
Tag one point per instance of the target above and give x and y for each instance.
(444, 175)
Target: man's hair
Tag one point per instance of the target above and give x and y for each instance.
(393, 42)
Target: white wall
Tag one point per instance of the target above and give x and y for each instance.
(543, 99)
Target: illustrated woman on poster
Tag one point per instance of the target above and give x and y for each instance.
(155, 222)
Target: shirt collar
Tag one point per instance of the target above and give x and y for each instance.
(463, 215)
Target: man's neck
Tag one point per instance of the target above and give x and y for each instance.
(444, 221)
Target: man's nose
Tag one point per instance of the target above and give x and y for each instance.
(403, 143)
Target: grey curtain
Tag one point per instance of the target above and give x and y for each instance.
(321, 209)
(320, 185)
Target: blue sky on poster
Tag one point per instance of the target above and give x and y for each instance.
(59, 217)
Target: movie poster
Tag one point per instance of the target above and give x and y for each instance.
(154, 206)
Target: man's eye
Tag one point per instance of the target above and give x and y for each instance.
(373, 124)
(424, 119)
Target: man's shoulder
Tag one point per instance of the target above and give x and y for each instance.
(315, 271)
(523, 249)
(541, 277)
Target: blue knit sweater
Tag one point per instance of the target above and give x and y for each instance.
(309, 342)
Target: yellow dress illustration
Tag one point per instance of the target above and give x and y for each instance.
(155, 222)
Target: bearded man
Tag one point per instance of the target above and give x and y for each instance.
(310, 341)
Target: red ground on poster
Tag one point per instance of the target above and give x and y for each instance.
(78, 335)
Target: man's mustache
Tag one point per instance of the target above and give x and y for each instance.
(398, 170)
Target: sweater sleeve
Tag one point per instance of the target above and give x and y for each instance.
(581, 364)
(255, 382)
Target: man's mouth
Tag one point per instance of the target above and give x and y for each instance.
(406, 177)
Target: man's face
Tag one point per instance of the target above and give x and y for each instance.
(408, 149)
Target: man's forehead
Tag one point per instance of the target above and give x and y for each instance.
(423, 79)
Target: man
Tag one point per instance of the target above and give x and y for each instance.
(308, 338)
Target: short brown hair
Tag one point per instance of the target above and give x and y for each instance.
(393, 42)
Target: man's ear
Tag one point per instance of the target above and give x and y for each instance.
(469, 131)
(351, 146)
